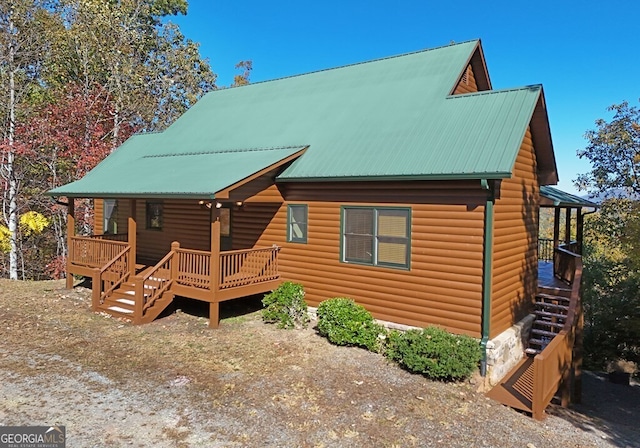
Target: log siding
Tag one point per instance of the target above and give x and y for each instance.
(467, 83)
(444, 284)
(515, 242)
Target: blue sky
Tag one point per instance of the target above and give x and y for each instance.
(586, 53)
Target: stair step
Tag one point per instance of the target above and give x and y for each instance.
(118, 309)
(544, 313)
(547, 323)
(552, 297)
(541, 342)
(126, 301)
(551, 305)
(537, 331)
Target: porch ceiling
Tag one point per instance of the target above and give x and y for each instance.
(138, 173)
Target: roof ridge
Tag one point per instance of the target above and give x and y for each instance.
(224, 151)
(354, 64)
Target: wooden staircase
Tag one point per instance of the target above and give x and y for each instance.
(550, 365)
(121, 302)
(551, 310)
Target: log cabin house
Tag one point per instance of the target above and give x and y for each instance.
(406, 183)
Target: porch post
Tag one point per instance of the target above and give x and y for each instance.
(579, 229)
(214, 305)
(131, 235)
(71, 231)
(556, 227)
(567, 225)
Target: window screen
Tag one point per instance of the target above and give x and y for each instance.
(376, 236)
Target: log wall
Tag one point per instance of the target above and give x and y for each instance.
(515, 242)
(444, 284)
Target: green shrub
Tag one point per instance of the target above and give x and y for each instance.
(434, 353)
(286, 306)
(344, 322)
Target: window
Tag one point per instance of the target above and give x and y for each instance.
(154, 215)
(297, 223)
(109, 216)
(376, 236)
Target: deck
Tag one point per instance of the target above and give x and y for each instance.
(547, 279)
(140, 292)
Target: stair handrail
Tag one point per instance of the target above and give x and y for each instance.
(553, 363)
(124, 275)
(165, 284)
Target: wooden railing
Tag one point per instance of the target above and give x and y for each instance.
(151, 286)
(564, 264)
(553, 365)
(110, 236)
(193, 268)
(111, 276)
(545, 249)
(243, 267)
(93, 252)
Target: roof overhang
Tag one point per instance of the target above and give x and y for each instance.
(552, 197)
(208, 175)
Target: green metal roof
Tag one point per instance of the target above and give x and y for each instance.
(136, 170)
(392, 118)
(559, 198)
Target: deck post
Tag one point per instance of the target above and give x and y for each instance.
(71, 230)
(214, 307)
(579, 229)
(96, 289)
(567, 225)
(214, 315)
(174, 261)
(138, 307)
(556, 227)
(131, 236)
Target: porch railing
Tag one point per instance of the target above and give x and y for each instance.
(564, 264)
(93, 252)
(553, 364)
(193, 268)
(151, 286)
(111, 276)
(545, 249)
(243, 267)
(110, 236)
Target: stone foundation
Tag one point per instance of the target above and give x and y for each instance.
(507, 349)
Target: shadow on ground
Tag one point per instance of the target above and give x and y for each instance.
(228, 309)
(613, 410)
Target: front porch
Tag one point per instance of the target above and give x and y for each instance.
(127, 284)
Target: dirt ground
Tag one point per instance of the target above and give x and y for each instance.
(175, 383)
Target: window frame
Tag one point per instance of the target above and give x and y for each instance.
(148, 216)
(375, 237)
(290, 237)
(111, 217)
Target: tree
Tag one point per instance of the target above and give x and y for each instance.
(242, 79)
(612, 238)
(78, 77)
(23, 33)
(614, 152)
(152, 73)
